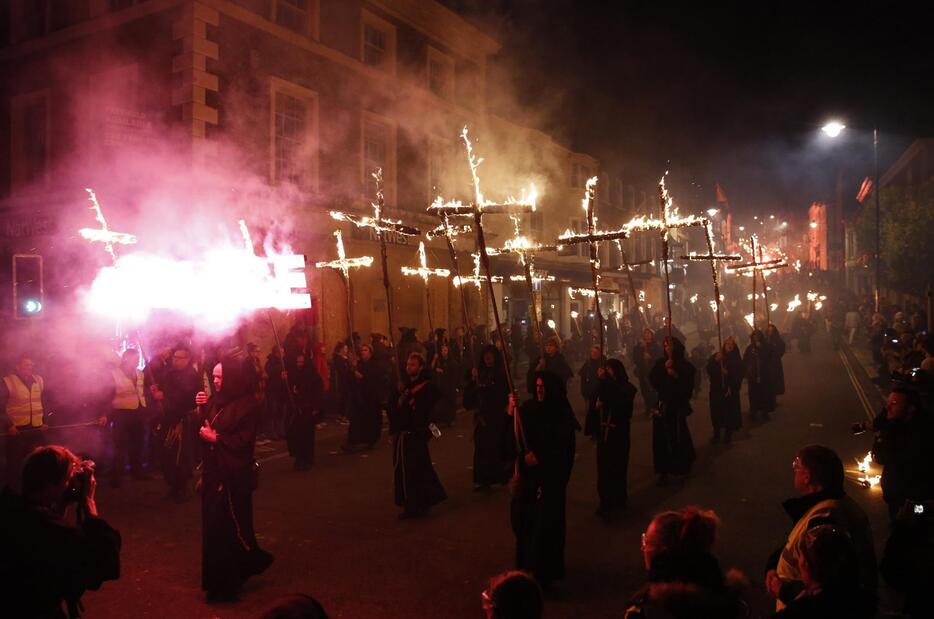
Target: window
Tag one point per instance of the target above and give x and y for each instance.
(293, 14)
(440, 74)
(294, 135)
(378, 44)
(30, 139)
(379, 153)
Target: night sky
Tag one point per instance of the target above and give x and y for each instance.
(735, 92)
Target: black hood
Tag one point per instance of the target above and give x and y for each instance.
(619, 370)
(239, 376)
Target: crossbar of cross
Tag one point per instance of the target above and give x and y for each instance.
(758, 266)
(104, 234)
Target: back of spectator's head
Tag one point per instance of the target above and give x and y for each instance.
(296, 607)
(823, 466)
(513, 595)
(46, 467)
(686, 531)
(828, 558)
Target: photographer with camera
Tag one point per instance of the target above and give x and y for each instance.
(904, 446)
(53, 545)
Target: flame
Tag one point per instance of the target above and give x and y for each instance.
(574, 314)
(713, 306)
(343, 263)
(750, 318)
(773, 307)
(794, 303)
(694, 298)
(423, 271)
(864, 467)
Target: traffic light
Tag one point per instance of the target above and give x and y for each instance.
(27, 286)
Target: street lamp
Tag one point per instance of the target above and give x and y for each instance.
(833, 129)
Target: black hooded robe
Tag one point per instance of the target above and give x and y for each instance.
(416, 483)
(493, 438)
(539, 503)
(672, 447)
(366, 418)
(230, 553)
(308, 398)
(758, 362)
(777, 344)
(447, 378)
(725, 408)
(617, 396)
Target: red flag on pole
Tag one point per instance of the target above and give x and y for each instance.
(721, 195)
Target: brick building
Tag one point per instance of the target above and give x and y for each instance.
(312, 95)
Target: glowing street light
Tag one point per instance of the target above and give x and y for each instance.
(814, 225)
(833, 128)
(742, 228)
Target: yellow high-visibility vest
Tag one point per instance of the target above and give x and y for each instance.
(24, 407)
(128, 396)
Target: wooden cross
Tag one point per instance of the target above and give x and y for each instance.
(381, 225)
(104, 234)
(627, 267)
(593, 238)
(477, 209)
(607, 424)
(451, 231)
(424, 272)
(756, 267)
(344, 264)
(713, 258)
(526, 250)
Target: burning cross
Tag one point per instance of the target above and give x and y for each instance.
(424, 272)
(104, 234)
(593, 238)
(524, 248)
(627, 268)
(381, 225)
(756, 267)
(713, 258)
(480, 207)
(344, 264)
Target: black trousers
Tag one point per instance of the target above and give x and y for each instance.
(128, 431)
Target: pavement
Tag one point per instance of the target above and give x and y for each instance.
(335, 534)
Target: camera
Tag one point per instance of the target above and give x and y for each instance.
(80, 484)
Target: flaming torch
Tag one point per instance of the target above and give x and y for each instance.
(424, 272)
(344, 264)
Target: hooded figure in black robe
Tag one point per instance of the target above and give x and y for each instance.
(230, 553)
(366, 419)
(552, 361)
(758, 361)
(417, 486)
(644, 355)
(774, 339)
(613, 408)
(308, 398)
(590, 382)
(673, 378)
(538, 504)
(488, 392)
(725, 370)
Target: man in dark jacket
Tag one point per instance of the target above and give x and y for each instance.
(180, 385)
(47, 562)
(904, 446)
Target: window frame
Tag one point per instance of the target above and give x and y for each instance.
(290, 89)
(389, 169)
(436, 56)
(368, 19)
(311, 22)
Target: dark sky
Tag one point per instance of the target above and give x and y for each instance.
(734, 92)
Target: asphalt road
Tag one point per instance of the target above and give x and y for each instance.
(335, 534)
